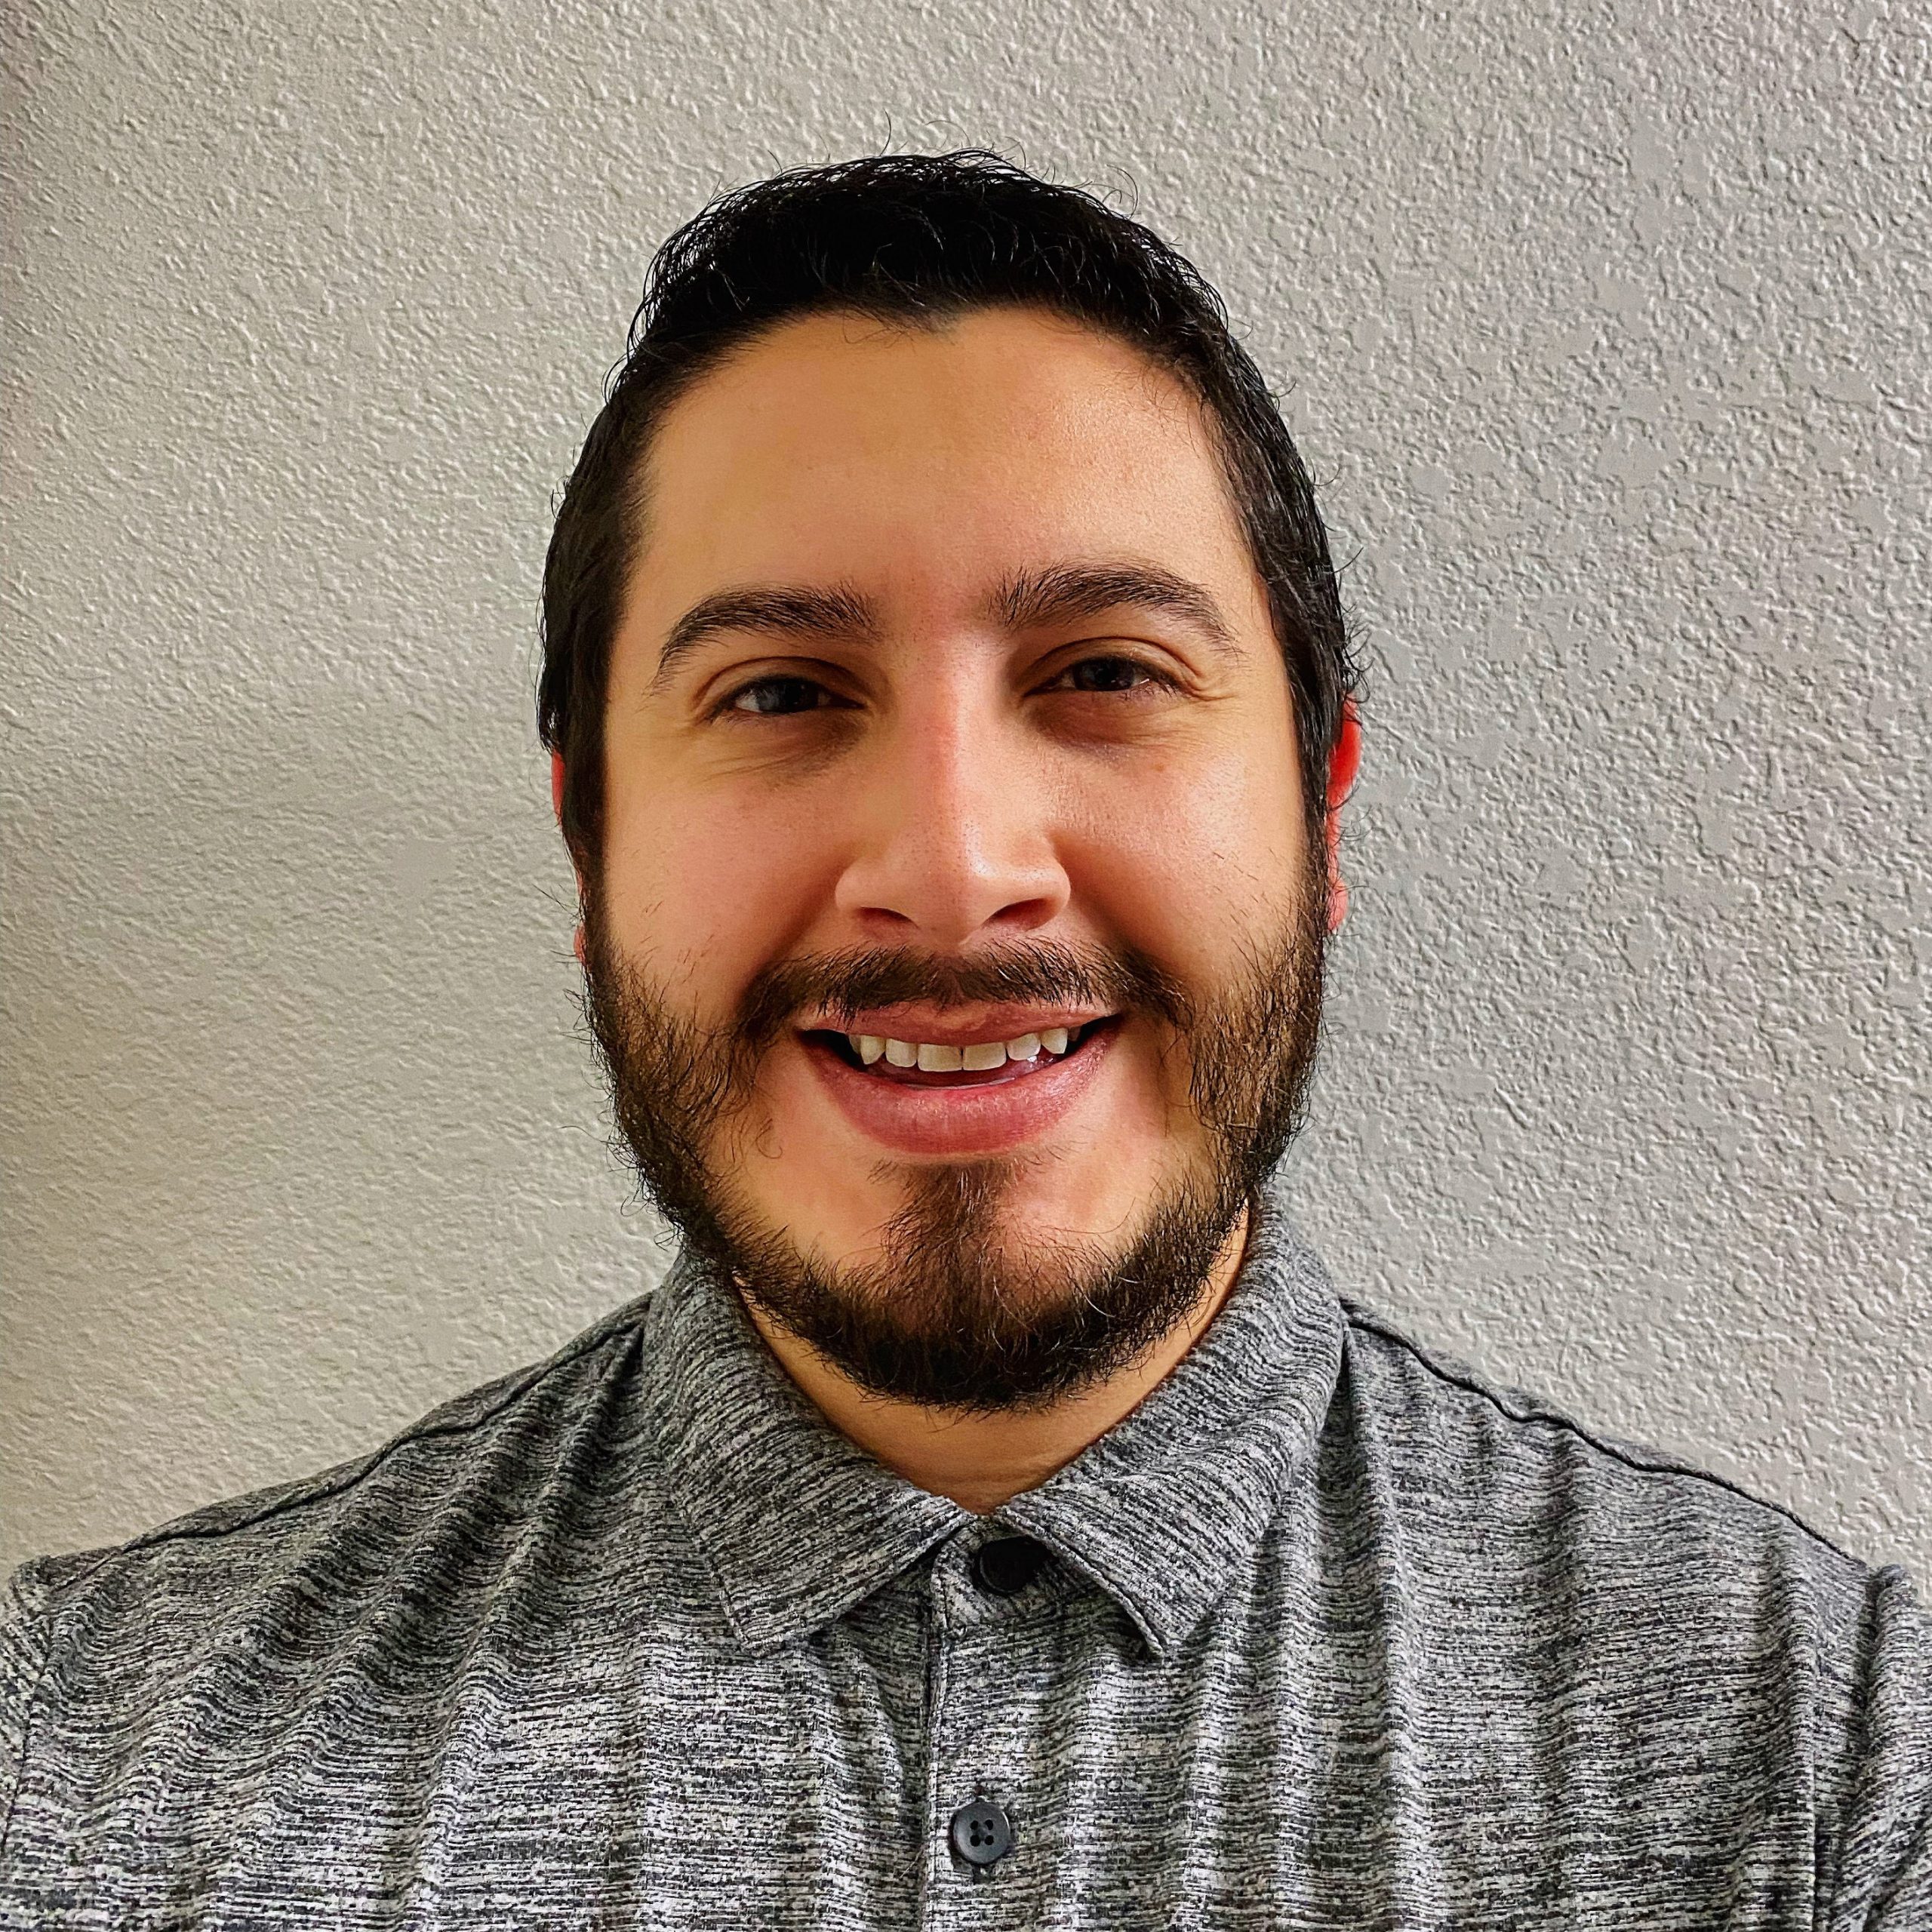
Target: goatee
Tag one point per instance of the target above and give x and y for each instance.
(962, 1312)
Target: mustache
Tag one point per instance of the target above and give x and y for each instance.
(841, 984)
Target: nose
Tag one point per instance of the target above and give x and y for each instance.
(954, 836)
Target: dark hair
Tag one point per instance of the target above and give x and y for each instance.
(918, 238)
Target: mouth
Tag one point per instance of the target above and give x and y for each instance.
(991, 1063)
(956, 1110)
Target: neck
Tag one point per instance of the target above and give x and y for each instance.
(982, 1461)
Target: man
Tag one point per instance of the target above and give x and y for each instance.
(995, 1518)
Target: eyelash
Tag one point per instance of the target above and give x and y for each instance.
(727, 706)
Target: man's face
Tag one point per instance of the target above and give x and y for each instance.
(972, 729)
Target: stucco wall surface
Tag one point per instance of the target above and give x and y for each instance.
(1604, 328)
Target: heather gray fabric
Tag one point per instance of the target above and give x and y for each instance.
(1331, 1634)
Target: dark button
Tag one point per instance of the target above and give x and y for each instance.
(1007, 1565)
(981, 1831)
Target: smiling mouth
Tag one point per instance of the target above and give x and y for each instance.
(869, 1055)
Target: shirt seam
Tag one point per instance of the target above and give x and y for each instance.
(43, 1624)
(1550, 1418)
(367, 1466)
(939, 1678)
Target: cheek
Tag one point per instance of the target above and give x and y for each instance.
(1193, 856)
(710, 890)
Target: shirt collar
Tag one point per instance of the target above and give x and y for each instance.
(797, 1524)
(1164, 1508)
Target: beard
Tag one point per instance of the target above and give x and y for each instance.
(961, 1312)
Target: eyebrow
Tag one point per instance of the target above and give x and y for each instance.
(1034, 599)
(1026, 600)
(783, 610)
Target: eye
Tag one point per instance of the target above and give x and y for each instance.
(1108, 676)
(775, 697)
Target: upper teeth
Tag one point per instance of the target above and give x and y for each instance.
(981, 1057)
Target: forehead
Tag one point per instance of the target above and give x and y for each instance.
(919, 461)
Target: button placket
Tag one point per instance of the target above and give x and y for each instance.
(973, 1816)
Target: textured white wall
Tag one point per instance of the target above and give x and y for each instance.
(1606, 328)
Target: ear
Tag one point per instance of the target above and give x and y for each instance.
(1344, 762)
(557, 806)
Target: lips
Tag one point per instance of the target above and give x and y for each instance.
(959, 1113)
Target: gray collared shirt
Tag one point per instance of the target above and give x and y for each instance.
(1328, 1633)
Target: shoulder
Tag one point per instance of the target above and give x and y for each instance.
(1509, 1489)
(454, 1476)
(1451, 1422)
(318, 1603)
(1653, 1600)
